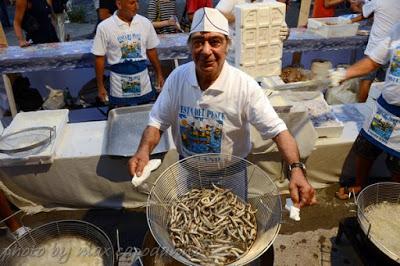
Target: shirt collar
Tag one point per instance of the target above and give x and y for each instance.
(218, 84)
(120, 22)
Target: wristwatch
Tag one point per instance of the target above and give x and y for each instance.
(300, 165)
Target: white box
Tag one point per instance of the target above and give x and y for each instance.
(332, 27)
(321, 115)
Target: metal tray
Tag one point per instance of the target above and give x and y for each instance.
(125, 128)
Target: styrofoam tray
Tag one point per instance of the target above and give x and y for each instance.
(332, 27)
(24, 120)
(321, 115)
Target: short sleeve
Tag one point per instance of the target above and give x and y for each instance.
(226, 6)
(160, 115)
(152, 38)
(261, 114)
(99, 47)
(191, 6)
(368, 8)
(380, 54)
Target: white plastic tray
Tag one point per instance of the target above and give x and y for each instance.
(321, 115)
(332, 27)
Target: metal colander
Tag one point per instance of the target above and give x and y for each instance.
(50, 231)
(384, 192)
(243, 178)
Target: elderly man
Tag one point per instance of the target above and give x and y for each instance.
(127, 40)
(380, 132)
(209, 93)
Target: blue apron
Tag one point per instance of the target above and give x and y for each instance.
(382, 128)
(130, 74)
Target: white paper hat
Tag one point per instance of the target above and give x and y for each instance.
(211, 20)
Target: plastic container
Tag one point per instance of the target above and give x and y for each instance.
(332, 27)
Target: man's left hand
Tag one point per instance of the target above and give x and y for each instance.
(284, 32)
(301, 192)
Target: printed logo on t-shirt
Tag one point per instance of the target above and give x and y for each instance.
(394, 67)
(382, 125)
(200, 129)
(130, 46)
(130, 85)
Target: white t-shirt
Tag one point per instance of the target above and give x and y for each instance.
(218, 119)
(389, 50)
(386, 14)
(120, 43)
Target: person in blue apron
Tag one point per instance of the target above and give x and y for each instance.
(210, 106)
(381, 130)
(128, 40)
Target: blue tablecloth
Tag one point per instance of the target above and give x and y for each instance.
(76, 54)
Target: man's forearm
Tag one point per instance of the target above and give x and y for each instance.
(99, 69)
(150, 138)
(229, 16)
(153, 57)
(358, 18)
(287, 147)
(361, 68)
(331, 3)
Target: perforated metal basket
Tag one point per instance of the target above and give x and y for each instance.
(384, 192)
(58, 229)
(243, 178)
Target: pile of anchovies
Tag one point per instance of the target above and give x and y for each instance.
(212, 226)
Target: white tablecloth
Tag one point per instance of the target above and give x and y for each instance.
(82, 176)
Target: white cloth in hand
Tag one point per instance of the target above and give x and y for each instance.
(284, 32)
(294, 212)
(151, 166)
(337, 76)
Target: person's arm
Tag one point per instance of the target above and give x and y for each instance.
(332, 3)
(229, 16)
(152, 16)
(358, 18)
(361, 68)
(99, 68)
(164, 23)
(20, 8)
(153, 57)
(150, 138)
(226, 7)
(104, 13)
(301, 192)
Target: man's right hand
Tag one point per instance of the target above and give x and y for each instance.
(102, 94)
(337, 76)
(24, 43)
(138, 161)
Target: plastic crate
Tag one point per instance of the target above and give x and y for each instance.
(332, 27)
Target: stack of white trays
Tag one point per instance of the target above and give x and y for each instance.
(258, 47)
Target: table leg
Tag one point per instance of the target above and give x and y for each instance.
(10, 95)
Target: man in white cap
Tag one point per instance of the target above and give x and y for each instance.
(209, 96)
